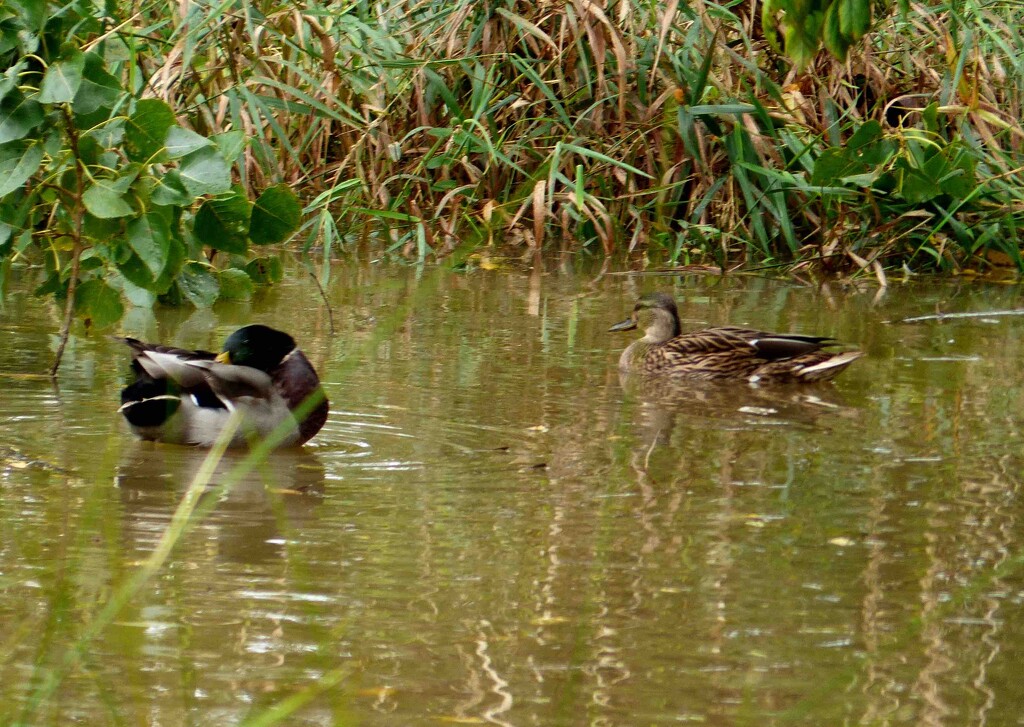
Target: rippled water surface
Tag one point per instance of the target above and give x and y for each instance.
(494, 528)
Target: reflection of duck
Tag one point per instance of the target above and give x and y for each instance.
(281, 493)
(726, 353)
(151, 466)
(718, 400)
(187, 397)
(703, 409)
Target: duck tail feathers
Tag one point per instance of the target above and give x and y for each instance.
(830, 367)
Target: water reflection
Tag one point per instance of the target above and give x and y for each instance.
(284, 492)
(730, 405)
(493, 527)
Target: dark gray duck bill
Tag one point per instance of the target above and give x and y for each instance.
(626, 325)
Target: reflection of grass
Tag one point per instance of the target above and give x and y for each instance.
(184, 517)
(290, 705)
(191, 510)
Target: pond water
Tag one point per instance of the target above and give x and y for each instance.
(493, 528)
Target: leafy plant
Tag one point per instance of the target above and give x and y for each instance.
(430, 129)
(807, 25)
(107, 190)
(907, 176)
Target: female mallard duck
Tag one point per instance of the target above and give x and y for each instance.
(726, 352)
(187, 397)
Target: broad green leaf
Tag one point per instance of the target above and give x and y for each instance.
(33, 14)
(961, 180)
(109, 135)
(915, 187)
(768, 10)
(110, 230)
(265, 270)
(89, 152)
(175, 263)
(9, 78)
(223, 223)
(205, 172)
(864, 180)
(198, 285)
(8, 42)
(53, 285)
(831, 35)
(860, 20)
(440, 160)
(147, 129)
(22, 241)
(70, 182)
(797, 46)
(235, 284)
(930, 116)
(99, 88)
(19, 116)
(831, 166)
(63, 78)
(96, 300)
(150, 238)
(137, 295)
(867, 133)
(181, 141)
(230, 144)
(105, 198)
(848, 17)
(168, 190)
(17, 168)
(877, 153)
(937, 165)
(275, 216)
(93, 257)
(135, 270)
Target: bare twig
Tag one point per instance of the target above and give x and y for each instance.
(327, 304)
(76, 256)
(969, 314)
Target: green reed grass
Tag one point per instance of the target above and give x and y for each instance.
(672, 127)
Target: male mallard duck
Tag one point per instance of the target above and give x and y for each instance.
(724, 353)
(187, 397)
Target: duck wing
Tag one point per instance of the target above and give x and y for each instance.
(193, 373)
(231, 382)
(761, 344)
(139, 348)
(190, 368)
(778, 346)
(173, 366)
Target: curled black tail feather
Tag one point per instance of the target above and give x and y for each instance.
(148, 402)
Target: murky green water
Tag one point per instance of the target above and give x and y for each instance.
(492, 528)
